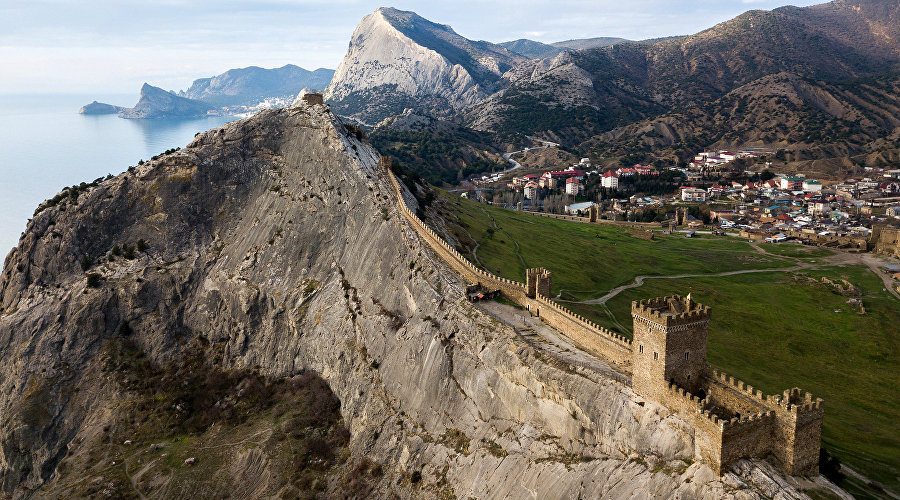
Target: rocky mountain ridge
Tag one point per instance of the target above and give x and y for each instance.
(398, 60)
(273, 246)
(252, 85)
(584, 97)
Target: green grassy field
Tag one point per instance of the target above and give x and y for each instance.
(774, 330)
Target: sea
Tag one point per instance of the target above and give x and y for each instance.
(46, 145)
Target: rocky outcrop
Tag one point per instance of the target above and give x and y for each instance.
(398, 60)
(158, 103)
(100, 108)
(275, 244)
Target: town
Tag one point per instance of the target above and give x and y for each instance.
(721, 190)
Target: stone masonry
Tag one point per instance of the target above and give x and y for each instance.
(537, 282)
(732, 420)
(667, 362)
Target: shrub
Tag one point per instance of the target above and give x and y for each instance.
(93, 280)
(86, 263)
(116, 251)
(142, 245)
(415, 477)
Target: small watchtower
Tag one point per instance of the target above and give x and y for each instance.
(669, 344)
(537, 282)
(594, 213)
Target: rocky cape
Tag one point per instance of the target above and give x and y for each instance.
(100, 108)
(274, 245)
(158, 103)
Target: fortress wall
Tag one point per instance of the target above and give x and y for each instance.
(587, 220)
(750, 436)
(590, 336)
(723, 390)
(889, 242)
(844, 241)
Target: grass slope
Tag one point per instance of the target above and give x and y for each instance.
(774, 330)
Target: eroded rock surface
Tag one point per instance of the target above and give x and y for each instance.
(275, 242)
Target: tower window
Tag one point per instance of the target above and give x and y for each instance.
(641, 349)
(686, 355)
(655, 356)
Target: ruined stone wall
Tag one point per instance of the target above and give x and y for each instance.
(889, 241)
(844, 241)
(588, 220)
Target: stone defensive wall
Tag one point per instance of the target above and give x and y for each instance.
(889, 241)
(844, 241)
(586, 220)
(588, 335)
(591, 337)
(788, 426)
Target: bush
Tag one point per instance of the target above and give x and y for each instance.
(415, 477)
(93, 280)
(142, 245)
(86, 263)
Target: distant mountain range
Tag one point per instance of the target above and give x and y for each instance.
(249, 86)
(235, 88)
(611, 97)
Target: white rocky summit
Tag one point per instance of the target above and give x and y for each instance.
(405, 59)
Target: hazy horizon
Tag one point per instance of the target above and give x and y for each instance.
(113, 47)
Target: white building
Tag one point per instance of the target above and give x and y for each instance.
(531, 190)
(693, 194)
(812, 186)
(610, 180)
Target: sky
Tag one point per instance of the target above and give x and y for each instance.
(114, 46)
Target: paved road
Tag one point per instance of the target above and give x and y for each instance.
(515, 164)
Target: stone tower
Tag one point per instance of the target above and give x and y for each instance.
(669, 345)
(537, 281)
(594, 213)
(385, 162)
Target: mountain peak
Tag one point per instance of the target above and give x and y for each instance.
(398, 59)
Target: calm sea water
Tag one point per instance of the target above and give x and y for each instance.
(45, 145)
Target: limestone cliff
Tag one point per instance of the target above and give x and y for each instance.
(398, 60)
(273, 246)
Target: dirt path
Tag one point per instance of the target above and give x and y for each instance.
(639, 280)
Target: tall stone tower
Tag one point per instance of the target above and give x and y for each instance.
(537, 281)
(669, 345)
(594, 213)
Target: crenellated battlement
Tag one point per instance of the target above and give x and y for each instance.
(670, 311)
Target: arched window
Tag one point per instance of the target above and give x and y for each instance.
(641, 349)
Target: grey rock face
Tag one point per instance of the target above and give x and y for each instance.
(158, 103)
(276, 239)
(399, 60)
